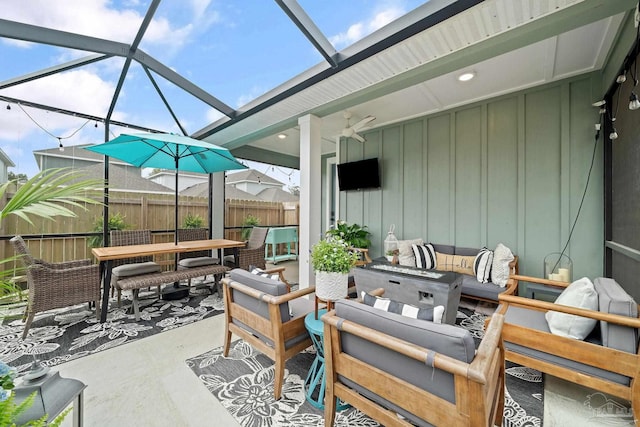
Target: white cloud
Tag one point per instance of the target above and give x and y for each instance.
(96, 18)
(363, 28)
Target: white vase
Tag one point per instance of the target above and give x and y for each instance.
(331, 286)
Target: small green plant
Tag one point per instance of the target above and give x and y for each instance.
(249, 222)
(332, 255)
(353, 235)
(192, 221)
(116, 222)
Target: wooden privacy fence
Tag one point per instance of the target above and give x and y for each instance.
(140, 211)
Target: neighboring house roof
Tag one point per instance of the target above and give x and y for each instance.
(277, 195)
(76, 152)
(5, 159)
(127, 178)
(250, 175)
(230, 192)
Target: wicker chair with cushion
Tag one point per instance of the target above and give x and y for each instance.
(129, 267)
(57, 285)
(261, 311)
(252, 254)
(196, 258)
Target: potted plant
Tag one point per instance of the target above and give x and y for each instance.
(353, 235)
(332, 260)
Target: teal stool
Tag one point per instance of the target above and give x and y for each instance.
(315, 383)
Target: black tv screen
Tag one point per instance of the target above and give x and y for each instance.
(358, 175)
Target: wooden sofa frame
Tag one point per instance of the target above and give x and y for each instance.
(609, 359)
(479, 385)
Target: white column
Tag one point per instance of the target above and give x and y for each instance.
(310, 194)
(217, 207)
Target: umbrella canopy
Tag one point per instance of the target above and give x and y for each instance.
(169, 151)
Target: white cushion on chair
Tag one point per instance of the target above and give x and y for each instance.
(579, 294)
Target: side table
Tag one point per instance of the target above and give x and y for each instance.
(315, 383)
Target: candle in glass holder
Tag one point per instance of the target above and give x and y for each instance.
(564, 274)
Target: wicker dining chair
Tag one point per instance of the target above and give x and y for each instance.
(57, 285)
(196, 258)
(127, 267)
(252, 254)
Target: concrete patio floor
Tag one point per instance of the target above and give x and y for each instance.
(147, 383)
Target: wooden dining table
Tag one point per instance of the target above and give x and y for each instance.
(107, 255)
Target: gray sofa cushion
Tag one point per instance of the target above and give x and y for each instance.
(262, 284)
(446, 339)
(444, 249)
(614, 300)
(535, 319)
(466, 251)
(471, 286)
(135, 269)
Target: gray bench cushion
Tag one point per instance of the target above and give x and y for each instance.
(614, 300)
(198, 261)
(446, 339)
(135, 269)
(535, 319)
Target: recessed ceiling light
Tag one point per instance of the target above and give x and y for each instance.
(282, 135)
(465, 77)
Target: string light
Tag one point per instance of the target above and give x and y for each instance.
(60, 146)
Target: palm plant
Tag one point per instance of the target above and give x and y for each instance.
(49, 194)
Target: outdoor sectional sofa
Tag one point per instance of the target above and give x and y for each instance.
(471, 287)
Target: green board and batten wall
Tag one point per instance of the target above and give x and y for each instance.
(510, 169)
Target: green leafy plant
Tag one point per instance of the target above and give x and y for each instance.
(249, 222)
(332, 255)
(116, 222)
(192, 221)
(48, 194)
(353, 235)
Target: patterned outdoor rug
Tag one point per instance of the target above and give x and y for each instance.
(243, 383)
(58, 336)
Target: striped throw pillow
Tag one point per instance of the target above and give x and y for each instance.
(425, 256)
(407, 310)
(262, 273)
(482, 265)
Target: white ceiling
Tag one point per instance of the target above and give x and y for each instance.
(424, 68)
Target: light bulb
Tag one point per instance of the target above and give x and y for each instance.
(613, 135)
(621, 78)
(597, 126)
(599, 103)
(602, 110)
(60, 146)
(634, 103)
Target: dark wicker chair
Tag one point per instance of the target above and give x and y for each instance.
(252, 254)
(135, 265)
(195, 258)
(57, 285)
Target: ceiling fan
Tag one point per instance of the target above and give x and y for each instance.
(351, 131)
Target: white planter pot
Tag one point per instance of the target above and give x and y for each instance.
(331, 286)
(389, 258)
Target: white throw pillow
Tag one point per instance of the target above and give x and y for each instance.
(405, 255)
(502, 256)
(580, 294)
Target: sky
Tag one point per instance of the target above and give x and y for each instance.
(234, 50)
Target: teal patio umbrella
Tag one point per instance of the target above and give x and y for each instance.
(169, 151)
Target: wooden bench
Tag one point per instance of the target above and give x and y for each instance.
(135, 283)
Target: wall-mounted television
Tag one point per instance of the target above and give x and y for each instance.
(359, 175)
